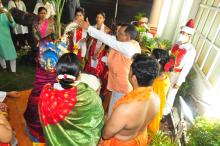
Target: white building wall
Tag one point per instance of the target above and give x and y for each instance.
(174, 14)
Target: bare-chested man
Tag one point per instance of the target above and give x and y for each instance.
(131, 115)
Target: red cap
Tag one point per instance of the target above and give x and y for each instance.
(190, 23)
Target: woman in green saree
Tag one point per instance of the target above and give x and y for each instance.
(71, 112)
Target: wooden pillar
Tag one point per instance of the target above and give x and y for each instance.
(155, 15)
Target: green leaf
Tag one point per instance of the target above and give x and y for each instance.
(205, 132)
(161, 139)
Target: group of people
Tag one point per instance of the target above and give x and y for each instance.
(20, 34)
(65, 109)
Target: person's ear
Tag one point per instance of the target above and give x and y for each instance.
(128, 37)
(134, 78)
(189, 37)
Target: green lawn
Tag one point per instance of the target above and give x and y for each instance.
(22, 80)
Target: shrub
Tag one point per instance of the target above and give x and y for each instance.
(205, 132)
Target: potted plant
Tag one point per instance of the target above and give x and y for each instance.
(186, 87)
(204, 132)
(148, 44)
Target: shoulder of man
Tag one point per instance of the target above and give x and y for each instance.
(136, 46)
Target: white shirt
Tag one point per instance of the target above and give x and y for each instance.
(18, 29)
(2, 95)
(186, 63)
(48, 6)
(128, 49)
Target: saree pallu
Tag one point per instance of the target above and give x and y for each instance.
(83, 123)
(160, 87)
(31, 114)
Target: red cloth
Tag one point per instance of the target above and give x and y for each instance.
(55, 105)
(178, 53)
(71, 43)
(101, 70)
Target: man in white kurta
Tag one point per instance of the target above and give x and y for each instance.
(185, 54)
(125, 47)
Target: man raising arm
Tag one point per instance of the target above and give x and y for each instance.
(125, 42)
(119, 58)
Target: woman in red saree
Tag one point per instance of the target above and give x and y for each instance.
(96, 51)
(42, 32)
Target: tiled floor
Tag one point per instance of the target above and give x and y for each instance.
(17, 107)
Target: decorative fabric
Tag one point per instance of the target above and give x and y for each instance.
(55, 105)
(43, 28)
(169, 65)
(75, 36)
(31, 114)
(178, 53)
(80, 117)
(42, 32)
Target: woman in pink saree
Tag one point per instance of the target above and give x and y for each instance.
(43, 29)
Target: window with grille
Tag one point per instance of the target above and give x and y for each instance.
(207, 41)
